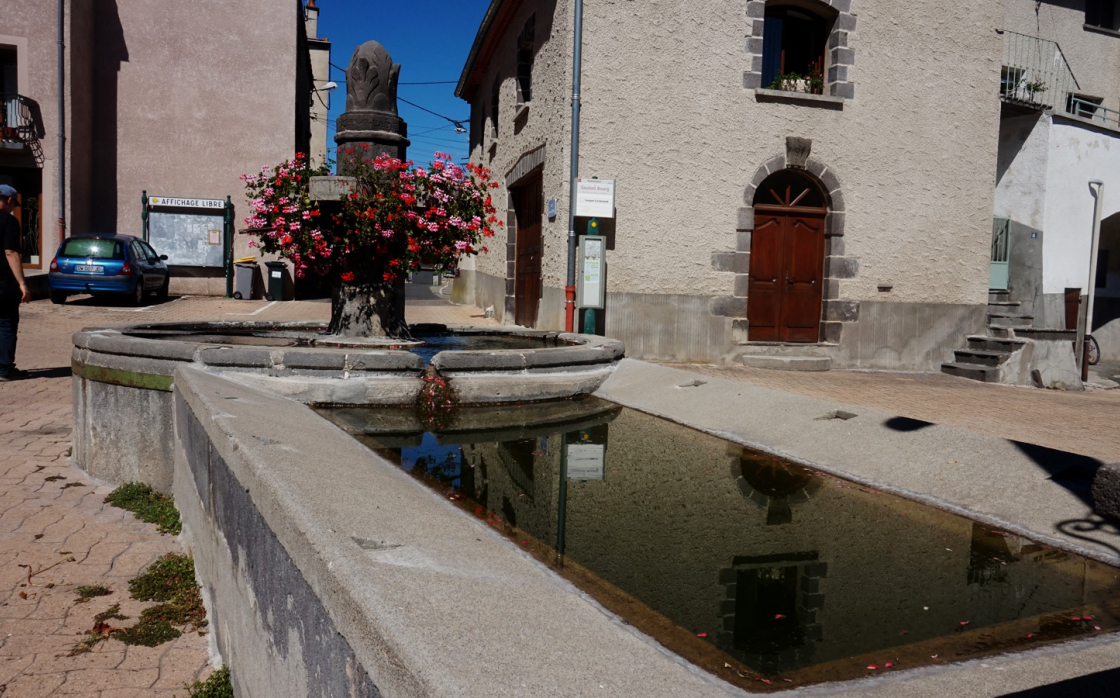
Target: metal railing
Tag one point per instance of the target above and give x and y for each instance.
(1035, 72)
(16, 119)
(20, 125)
(1094, 111)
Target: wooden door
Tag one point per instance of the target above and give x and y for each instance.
(528, 203)
(787, 265)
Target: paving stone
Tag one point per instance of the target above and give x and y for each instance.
(109, 545)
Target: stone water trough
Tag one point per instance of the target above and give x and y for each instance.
(124, 376)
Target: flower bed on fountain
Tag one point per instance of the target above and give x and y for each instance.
(123, 376)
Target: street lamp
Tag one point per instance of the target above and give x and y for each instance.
(1086, 328)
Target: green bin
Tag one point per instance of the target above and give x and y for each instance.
(276, 271)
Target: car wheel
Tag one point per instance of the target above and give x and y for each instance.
(58, 297)
(161, 294)
(268, 297)
(139, 295)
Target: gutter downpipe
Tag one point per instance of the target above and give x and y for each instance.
(1087, 323)
(577, 61)
(61, 121)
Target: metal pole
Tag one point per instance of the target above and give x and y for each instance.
(562, 508)
(229, 247)
(61, 120)
(577, 61)
(1094, 251)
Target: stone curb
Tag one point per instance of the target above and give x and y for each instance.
(1106, 491)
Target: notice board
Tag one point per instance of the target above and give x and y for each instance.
(191, 232)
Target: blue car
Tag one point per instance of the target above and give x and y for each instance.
(108, 264)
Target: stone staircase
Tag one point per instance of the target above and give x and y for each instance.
(986, 357)
(1014, 352)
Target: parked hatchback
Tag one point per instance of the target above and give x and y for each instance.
(108, 264)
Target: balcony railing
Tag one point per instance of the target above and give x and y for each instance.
(1035, 73)
(21, 125)
(1094, 111)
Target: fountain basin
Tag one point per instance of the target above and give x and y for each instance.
(123, 376)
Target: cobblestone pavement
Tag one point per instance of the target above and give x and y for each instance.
(54, 525)
(1083, 422)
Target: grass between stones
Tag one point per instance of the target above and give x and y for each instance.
(217, 686)
(148, 506)
(169, 580)
(89, 591)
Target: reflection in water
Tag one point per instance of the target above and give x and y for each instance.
(745, 564)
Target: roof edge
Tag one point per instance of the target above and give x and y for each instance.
(476, 48)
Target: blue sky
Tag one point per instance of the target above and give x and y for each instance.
(430, 39)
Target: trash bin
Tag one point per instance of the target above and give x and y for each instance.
(243, 279)
(275, 280)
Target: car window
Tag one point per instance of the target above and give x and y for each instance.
(137, 252)
(151, 252)
(93, 248)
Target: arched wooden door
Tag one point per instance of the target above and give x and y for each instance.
(787, 259)
(528, 204)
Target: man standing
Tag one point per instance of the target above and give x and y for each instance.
(13, 287)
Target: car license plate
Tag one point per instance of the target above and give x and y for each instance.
(89, 269)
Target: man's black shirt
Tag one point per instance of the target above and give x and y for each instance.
(9, 235)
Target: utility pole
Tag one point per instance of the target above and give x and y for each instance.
(577, 60)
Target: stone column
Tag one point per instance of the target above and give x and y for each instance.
(370, 126)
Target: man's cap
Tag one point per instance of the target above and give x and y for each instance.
(7, 190)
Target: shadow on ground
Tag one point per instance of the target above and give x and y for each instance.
(1102, 683)
(56, 372)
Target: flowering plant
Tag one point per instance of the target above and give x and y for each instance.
(395, 218)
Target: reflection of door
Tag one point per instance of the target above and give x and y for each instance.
(787, 262)
(528, 204)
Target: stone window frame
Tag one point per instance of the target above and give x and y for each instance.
(841, 56)
(526, 57)
(529, 163)
(835, 313)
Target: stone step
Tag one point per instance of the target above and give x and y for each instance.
(999, 306)
(998, 295)
(977, 372)
(788, 363)
(983, 357)
(987, 343)
(1009, 320)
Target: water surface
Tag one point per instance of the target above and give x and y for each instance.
(764, 572)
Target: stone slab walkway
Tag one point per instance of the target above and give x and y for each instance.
(1083, 422)
(53, 521)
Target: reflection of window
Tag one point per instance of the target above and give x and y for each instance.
(793, 49)
(525, 62)
(1102, 13)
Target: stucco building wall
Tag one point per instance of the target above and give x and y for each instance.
(1093, 56)
(31, 28)
(666, 115)
(177, 99)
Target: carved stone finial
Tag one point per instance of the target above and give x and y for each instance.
(371, 80)
(797, 151)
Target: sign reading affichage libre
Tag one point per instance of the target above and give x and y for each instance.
(595, 198)
(174, 202)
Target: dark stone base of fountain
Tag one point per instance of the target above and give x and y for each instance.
(369, 134)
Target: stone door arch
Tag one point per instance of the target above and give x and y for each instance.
(786, 284)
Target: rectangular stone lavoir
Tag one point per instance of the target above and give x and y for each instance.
(744, 564)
